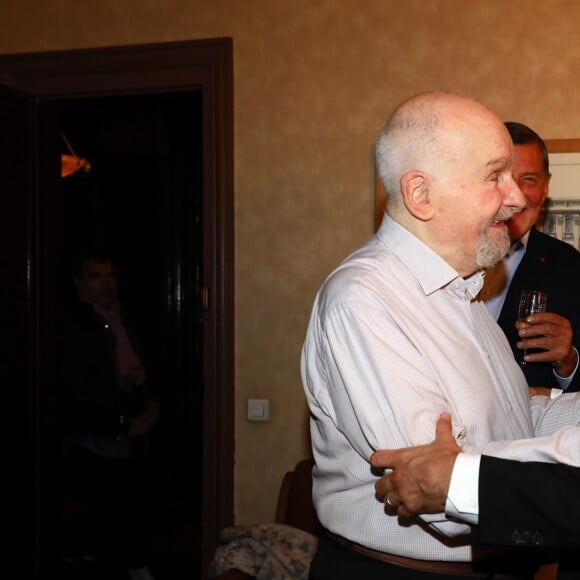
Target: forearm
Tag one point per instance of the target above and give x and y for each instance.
(561, 447)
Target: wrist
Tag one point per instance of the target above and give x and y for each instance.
(564, 368)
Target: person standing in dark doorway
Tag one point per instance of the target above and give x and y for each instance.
(110, 407)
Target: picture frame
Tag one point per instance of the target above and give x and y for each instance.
(560, 215)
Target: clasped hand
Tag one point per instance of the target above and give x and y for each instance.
(420, 478)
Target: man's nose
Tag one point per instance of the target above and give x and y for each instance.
(514, 196)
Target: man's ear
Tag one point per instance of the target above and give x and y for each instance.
(416, 195)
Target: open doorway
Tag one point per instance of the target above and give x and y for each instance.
(179, 257)
(140, 197)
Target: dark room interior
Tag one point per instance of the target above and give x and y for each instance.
(139, 197)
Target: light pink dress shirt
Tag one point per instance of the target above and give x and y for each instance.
(394, 339)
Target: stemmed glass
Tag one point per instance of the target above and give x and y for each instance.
(531, 301)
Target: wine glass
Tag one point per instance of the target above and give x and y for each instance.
(531, 301)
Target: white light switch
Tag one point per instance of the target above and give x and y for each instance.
(258, 410)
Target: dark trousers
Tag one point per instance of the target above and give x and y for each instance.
(333, 561)
(114, 525)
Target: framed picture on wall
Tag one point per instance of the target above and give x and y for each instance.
(561, 213)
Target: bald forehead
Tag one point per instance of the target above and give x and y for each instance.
(448, 127)
(426, 114)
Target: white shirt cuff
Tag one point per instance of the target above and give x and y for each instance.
(463, 496)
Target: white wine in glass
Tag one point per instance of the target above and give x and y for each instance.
(531, 301)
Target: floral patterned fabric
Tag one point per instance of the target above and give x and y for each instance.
(266, 551)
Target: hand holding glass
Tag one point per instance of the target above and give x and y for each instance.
(531, 301)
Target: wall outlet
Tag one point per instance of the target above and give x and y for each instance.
(258, 410)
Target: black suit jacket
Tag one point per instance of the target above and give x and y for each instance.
(528, 504)
(553, 266)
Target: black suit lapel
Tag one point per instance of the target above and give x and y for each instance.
(530, 275)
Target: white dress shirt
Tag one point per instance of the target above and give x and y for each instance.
(394, 339)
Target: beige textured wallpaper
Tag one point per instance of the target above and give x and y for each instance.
(314, 80)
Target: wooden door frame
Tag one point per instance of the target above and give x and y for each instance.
(204, 65)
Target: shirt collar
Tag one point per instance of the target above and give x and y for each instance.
(523, 241)
(429, 268)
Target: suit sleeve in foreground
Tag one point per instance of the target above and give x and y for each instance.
(528, 504)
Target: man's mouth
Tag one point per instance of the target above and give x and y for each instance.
(502, 218)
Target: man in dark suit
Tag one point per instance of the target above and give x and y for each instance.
(508, 504)
(539, 262)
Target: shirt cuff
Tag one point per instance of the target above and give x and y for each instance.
(444, 526)
(564, 382)
(463, 496)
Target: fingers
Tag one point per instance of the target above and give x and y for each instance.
(443, 427)
(547, 317)
(420, 475)
(555, 350)
(383, 459)
(546, 324)
(399, 499)
(394, 506)
(391, 458)
(383, 487)
(444, 438)
(385, 492)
